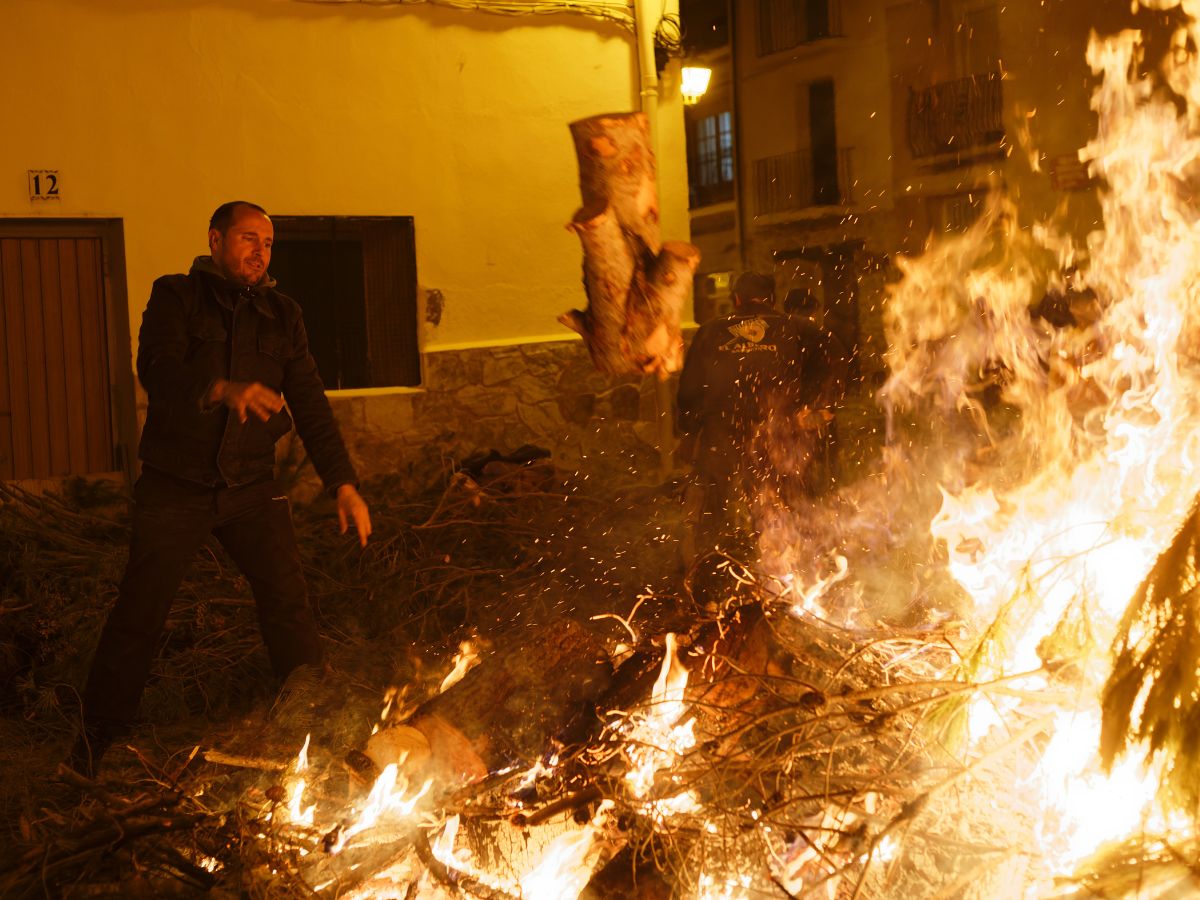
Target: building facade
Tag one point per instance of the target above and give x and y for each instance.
(860, 129)
(419, 167)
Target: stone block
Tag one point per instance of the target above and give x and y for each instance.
(578, 375)
(389, 413)
(532, 389)
(504, 365)
(626, 401)
(577, 408)
(545, 361)
(478, 401)
(350, 413)
(442, 370)
(472, 362)
(543, 420)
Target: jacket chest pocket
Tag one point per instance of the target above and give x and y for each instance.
(275, 346)
(206, 337)
(273, 352)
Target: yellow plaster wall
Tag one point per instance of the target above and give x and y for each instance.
(154, 111)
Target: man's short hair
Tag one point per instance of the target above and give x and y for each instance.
(754, 286)
(224, 214)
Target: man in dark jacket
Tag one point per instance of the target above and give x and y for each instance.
(744, 396)
(832, 372)
(218, 353)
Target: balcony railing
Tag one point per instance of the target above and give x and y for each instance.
(786, 183)
(953, 116)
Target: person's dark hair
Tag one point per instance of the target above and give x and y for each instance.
(223, 216)
(754, 286)
(800, 302)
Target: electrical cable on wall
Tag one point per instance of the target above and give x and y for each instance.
(668, 41)
(618, 12)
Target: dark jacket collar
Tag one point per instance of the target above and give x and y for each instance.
(227, 290)
(754, 308)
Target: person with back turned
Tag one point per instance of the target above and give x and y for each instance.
(742, 407)
(831, 372)
(219, 351)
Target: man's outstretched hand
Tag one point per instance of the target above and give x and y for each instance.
(246, 397)
(352, 508)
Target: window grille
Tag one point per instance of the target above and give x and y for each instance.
(956, 115)
(711, 163)
(784, 24)
(785, 183)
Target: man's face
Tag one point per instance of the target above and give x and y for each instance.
(243, 251)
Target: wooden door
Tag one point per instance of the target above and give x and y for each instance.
(56, 380)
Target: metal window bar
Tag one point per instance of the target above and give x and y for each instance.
(956, 115)
(707, 152)
(784, 183)
(725, 145)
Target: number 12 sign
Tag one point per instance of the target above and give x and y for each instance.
(43, 184)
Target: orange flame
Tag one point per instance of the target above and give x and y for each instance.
(1091, 484)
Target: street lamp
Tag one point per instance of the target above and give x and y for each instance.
(694, 83)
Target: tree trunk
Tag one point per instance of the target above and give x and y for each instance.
(636, 286)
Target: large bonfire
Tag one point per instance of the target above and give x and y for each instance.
(784, 742)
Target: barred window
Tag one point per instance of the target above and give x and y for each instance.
(711, 159)
(714, 149)
(784, 24)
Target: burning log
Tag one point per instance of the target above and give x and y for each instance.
(629, 875)
(636, 285)
(728, 659)
(727, 692)
(506, 709)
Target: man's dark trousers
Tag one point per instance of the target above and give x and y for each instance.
(171, 520)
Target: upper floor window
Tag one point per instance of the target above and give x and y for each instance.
(711, 169)
(714, 149)
(978, 40)
(819, 174)
(784, 24)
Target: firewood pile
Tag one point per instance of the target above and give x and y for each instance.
(713, 743)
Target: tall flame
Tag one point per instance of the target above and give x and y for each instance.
(565, 866)
(299, 814)
(656, 740)
(1063, 512)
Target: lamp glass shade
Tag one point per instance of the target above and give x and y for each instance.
(694, 82)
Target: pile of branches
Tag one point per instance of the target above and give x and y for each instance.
(817, 751)
(436, 563)
(827, 761)
(483, 552)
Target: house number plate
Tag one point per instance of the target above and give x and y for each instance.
(44, 184)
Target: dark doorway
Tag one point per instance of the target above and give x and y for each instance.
(66, 384)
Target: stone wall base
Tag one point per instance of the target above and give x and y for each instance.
(500, 398)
